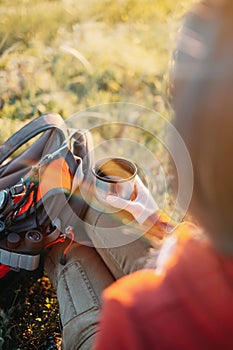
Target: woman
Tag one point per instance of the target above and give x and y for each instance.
(186, 302)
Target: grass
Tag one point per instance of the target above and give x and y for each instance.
(29, 315)
(64, 56)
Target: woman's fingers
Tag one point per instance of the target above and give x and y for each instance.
(117, 202)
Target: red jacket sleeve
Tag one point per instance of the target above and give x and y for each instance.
(120, 326)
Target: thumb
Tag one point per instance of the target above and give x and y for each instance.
(117, 202)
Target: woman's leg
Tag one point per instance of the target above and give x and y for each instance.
(119, 241)
(118, 250)
(79, 285)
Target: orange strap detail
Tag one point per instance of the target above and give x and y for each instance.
(55, 175)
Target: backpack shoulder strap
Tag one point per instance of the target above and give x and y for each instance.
(33, 128)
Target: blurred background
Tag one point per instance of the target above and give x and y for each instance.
(65, 56)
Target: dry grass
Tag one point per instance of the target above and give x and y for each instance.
(64, 56)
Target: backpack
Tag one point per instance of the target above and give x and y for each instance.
(37, 186)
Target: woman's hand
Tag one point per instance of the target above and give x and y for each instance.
(141, 207)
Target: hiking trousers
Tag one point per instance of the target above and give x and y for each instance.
(88, 271)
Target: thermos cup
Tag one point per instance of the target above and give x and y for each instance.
(114, 176)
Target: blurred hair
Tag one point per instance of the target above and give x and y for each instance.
(202, 98)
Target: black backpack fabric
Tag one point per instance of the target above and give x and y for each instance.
(41, 168)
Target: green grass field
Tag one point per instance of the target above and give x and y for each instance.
(64, 56)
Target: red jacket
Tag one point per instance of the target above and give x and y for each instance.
(186, 305)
